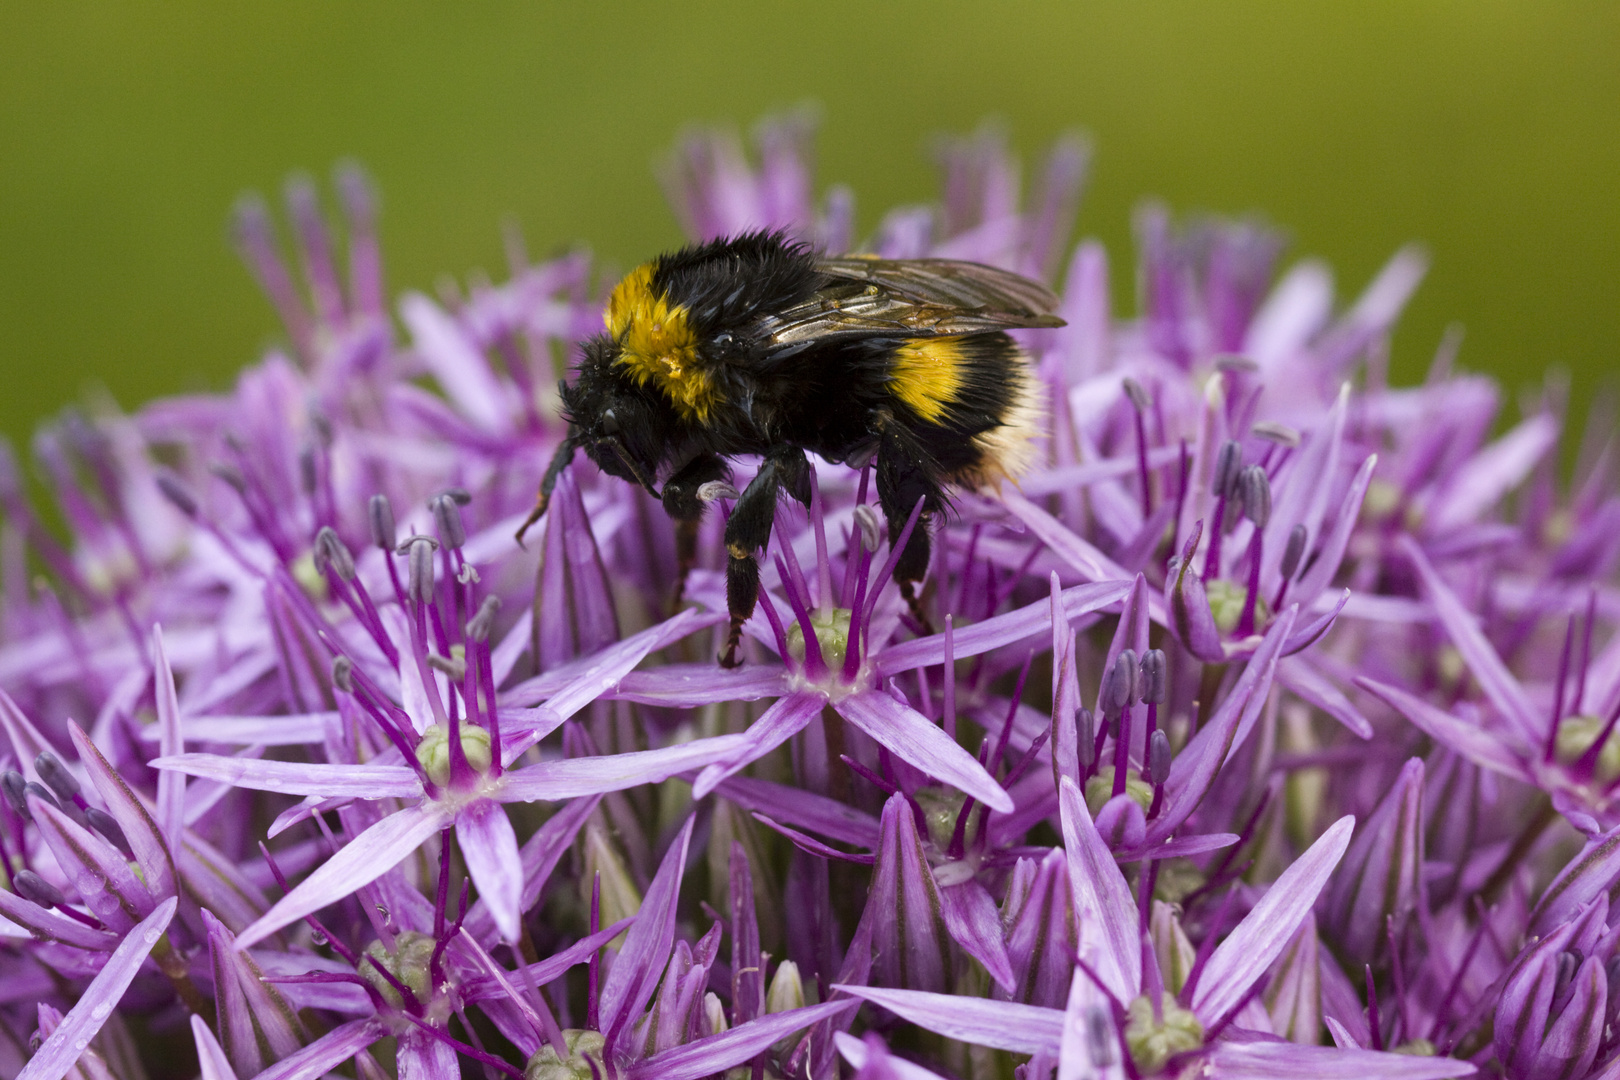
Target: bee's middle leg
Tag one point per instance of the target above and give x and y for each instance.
(685, 506)
(747, 532)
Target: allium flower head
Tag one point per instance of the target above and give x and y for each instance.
(1264, 728)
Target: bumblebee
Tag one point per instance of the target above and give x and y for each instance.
(757, 345)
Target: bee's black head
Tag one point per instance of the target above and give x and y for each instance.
(621, 426)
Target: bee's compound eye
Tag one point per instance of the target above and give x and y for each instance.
(610, 423)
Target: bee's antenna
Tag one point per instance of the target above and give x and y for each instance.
(548, 483)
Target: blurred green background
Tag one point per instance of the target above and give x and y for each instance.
(1488, 129)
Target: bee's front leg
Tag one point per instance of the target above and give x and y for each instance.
(747, 532)
(684, 503)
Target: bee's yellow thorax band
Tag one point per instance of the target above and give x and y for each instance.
(927, 374)
(657, 344)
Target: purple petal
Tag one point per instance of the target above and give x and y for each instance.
(482, 988)
(857, 1053)
(1180, 848)
(805, 809)
(61, 1050)
(604, 670)
(327, 1052)
(783, 720)
(1194, 769)
(97, 870)
(47, 925)
(1492, 675)
(903, 904)
(573, 600)
(259, 1027)
(250, 730)
(459, 368)
(919, 742)
(1003, 629)
(1003, 1025)
(1297, 675)
(568, 778)
(1377, 887)
(1481, 481)
(1081, 555)
(26, 740)
(145, 839)
(537, 860)
(716, 1053)
(1312, 632)
(1290, 1061)
(490, 846)
(1268, 928)
(634, 975)
(971, 919)
(171, 792)
(684, 686)
(209, 1055)
(1469, 740)
(1589, 875)
(1103, 906)
(300, 778)
(1191, 618)
(1326, 566)
(811, 845)
(360, 862)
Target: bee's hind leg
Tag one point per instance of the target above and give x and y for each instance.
(904, 475)
(684, 503)
(747, 531)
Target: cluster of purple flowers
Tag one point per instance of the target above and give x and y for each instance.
(1271, 731)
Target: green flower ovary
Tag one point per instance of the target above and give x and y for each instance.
(832, 634)
(1576, 734)
(940, 807)
(1100, 788)
(1154, 1040)
(584, 1047)
(434, 751)
(1226, 605)
(408, 963)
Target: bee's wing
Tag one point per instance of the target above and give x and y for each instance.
(912, 298)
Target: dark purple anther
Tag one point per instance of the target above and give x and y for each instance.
(343, 674)
(35, 889)
(1293, 552)
(175, 490)
(1155, 682)
(50, 769)
(14, 786)
(419, 552)
(41, 792)
(1085, 725)
(1255, 489)
(382, 522)
(1228, 463)
(307, 478)
(447, 515)
(1158, 762)
(332, 551)
(107, 825)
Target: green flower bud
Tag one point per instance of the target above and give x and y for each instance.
(584, 1047)
(1154, 1040)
